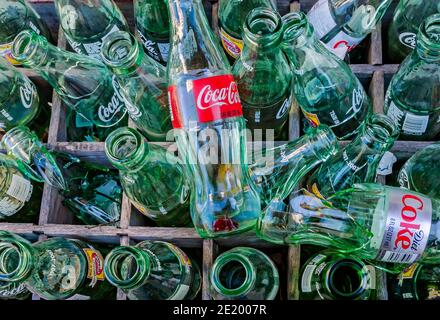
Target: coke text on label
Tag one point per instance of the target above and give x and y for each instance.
(26, 94)
(408, 39)
(108, 112)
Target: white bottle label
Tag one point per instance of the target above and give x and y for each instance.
(20, 188)
(407, 227)
(386, 164)
(306, 279)
(410, 123)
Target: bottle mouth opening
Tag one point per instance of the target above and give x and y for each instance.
(126, 267)
(294, 25)
(24, 46)
(263, 24)
(347, 279)
(430, 30)
(120, 49)
(232, 274)
(16, 260)
(123, 144)
(382, 128)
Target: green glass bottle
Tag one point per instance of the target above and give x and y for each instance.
(151, 177)
(420, 172)
(142, 82)
(11, 290)
(54, 269)
(83, 83)
(86, 23)
(153, 28)
(263, 73)
(244, 273)
(412, 97)
(417, 282)
(153, 270)
(331, 275)
(402, 32)
(231, 16)
(370, 221)
(358, 161)
(80, 129)
(325, 87)
(16, 16)
(276, 172)
(19, 100)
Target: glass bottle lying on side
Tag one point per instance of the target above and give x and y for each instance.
(153, 270)
(151, 177)
(54, 269)
(244, 273)
(331, 275)
(369, 221)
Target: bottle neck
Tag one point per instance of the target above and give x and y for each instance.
(233, 275)
(16, 258)
(126, 148)
(428, 39)
(31, 49)
(127, 267)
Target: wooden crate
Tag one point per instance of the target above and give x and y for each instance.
(371, 68)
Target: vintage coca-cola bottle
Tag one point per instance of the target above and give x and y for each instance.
(209, 126)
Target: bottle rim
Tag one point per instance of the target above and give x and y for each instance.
(26, 44)
(295, 24)
(21, 247)
(272, 23)
(117, 257)
(428, 37)
(381, 128)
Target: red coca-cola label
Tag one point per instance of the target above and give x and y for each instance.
(215, 98)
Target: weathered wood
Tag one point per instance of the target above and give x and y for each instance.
(293, 267)
(210, 250)
(375, 50)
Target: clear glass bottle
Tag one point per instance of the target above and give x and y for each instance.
(232, 15)
(331, 275)
(325, 87)
(142, 83)
(276, 172)
(153, 270)
(263, 74)
(412, 97)
(11, 290)
(151, 177)
(19, 100)
(358, 161)
(243, 273)
(16, 16)
(86, 23)
(153, 28)
(54, 269)
(83, 83)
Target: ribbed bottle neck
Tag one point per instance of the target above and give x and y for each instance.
(428, 39)
(30, 49)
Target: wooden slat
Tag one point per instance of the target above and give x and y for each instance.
(293, 267)
(210, 250)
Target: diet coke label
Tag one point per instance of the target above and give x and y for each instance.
(217, 98)
(407, 227)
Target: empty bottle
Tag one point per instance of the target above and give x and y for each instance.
(153, 270)
(358, 161)
(325, 87)
(342, 24)
(83, 83)
(232, 15)
(244, 273)
(80, 129)
(86, 23)
(263, 74)
(404, 27)
(207, 116)
(277, 171)
(412, 97)
(54, 269)
(16, 16)
(331, 275)
(153, 28)
(19, 100)
(11, 290)
(142, 82)
(151, 177)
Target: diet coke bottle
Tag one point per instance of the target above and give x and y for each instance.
(206, 113)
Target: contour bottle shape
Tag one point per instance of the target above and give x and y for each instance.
(412, 99)
(153, 270)
(151, 177)
(143, 84)
(209, 126)
(153, 28)
(402, 32)
(370, 221)
(342, 24)
(54, 269)
(232, 15)
(325, 87)
(86, 23)
(16, 16)
(83, 83)
(358, 161)
(263, 74)
(244, 273)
